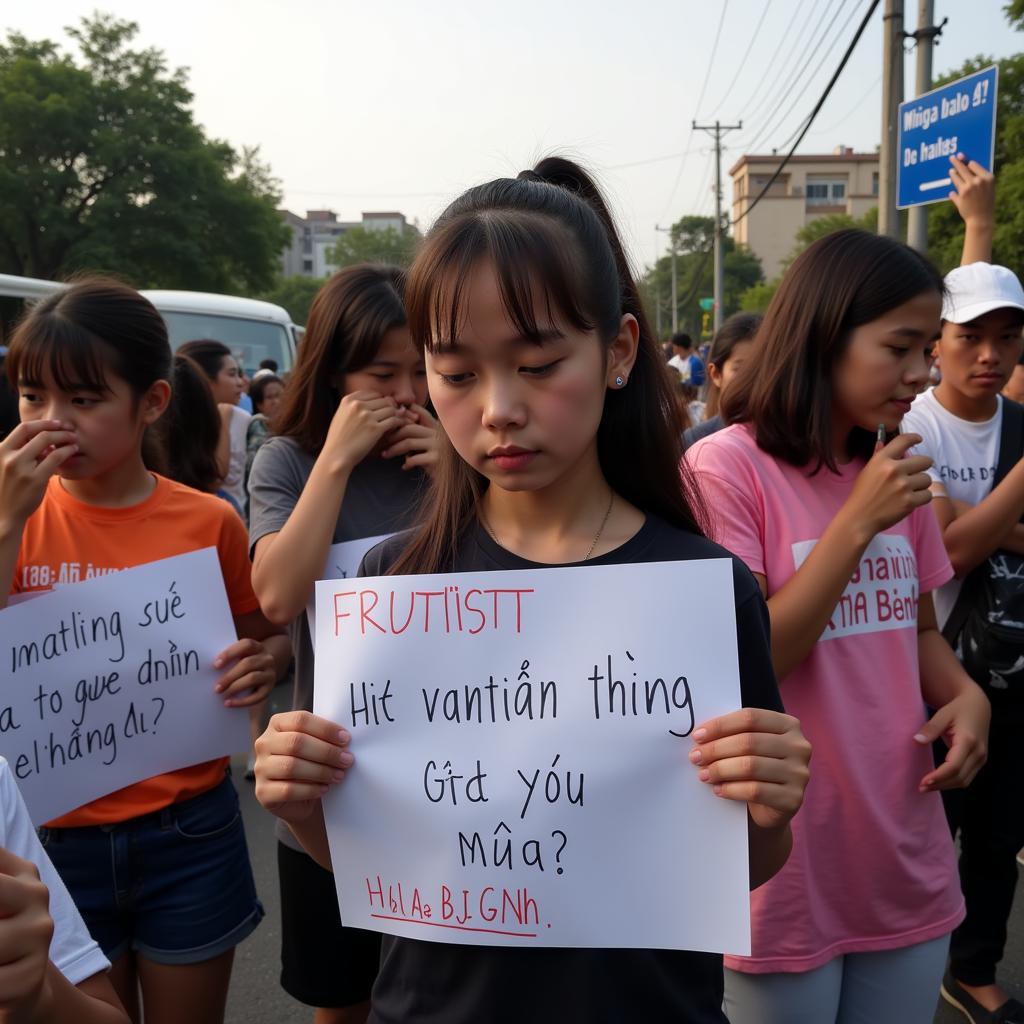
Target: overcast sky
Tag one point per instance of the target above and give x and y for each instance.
(396, 104)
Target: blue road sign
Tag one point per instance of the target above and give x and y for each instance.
(955, 118)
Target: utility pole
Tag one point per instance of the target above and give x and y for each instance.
(892, 95)
(925, 36)
(717, 130)
(675, 301)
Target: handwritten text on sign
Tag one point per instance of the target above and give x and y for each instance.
(110, 681)
(521, 743)
(343, 561)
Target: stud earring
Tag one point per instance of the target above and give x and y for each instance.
(619, 382)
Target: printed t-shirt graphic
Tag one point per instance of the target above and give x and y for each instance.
(964, 455)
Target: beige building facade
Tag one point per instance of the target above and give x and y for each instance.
(809, 187)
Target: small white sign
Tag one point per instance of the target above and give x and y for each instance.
(110, 681)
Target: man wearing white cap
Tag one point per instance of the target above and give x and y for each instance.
(965, 423)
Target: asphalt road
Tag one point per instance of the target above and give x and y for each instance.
(257, 998)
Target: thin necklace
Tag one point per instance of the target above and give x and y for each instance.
(593, 544)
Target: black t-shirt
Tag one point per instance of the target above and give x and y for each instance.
(438, 983)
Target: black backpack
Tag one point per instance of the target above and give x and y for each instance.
(986, 625)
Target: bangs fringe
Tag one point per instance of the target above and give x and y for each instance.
(537, 268)
(45, 343)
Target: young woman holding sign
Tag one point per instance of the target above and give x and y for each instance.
(564, 450)
(353, 442)
(159, 869)
(817, 495)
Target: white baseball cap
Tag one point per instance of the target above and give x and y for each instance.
(977, 289)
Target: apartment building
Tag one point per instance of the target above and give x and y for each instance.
(810, 186)
(314, 235)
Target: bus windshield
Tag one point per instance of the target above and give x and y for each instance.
(251, 341)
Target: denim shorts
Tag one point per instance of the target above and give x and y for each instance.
(175, 886)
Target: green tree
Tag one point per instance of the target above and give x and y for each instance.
(1014, 11)
(694, 237)
(945, 228)
(102, 167)
(757, 298)
(295, 294)
(373, 245)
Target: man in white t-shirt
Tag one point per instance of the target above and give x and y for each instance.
(960, 421)
(62, 978)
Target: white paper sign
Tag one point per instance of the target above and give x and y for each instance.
(110, 681)
(521, 743)
(343, 560)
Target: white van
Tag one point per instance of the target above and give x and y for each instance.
(252, 329)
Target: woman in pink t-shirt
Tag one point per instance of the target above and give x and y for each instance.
(831, 521)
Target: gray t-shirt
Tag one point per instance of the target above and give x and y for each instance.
(381, 497)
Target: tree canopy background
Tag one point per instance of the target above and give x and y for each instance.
(102, 167)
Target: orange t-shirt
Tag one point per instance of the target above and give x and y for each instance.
(66, 541)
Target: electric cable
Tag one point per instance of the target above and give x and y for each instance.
(700, 100)
(814, 113)
(770, 123)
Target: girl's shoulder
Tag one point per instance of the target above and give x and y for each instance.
(380, 558)
(732, 454)
(657, 541)
(184, 500)
(278, 452)
(667, 543)
(734, 441)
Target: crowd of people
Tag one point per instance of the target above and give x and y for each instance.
(505, 405)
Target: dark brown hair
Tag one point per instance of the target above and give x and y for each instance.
(840, 282)
(738, 328)
(555, 250)
(190, 429)
(259, 385)
(348, 319)
(207, 354)
(94, 326)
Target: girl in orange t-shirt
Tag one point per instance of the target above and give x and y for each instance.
(159, 870)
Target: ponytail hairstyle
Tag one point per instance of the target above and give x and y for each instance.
(738, 328)
(190, 429)
(347, 321)
(554, 247)
(95, 326)
(842, 281)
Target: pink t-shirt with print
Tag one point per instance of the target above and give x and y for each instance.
(873, 865)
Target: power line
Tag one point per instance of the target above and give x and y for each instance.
(650, 160)
(838, 124)
(332, 194)
(743, 59)
(700, 100)
(705, 184)
(363, 195)
(768, 92)
(814, 113)
(796, 99)
(760, 89)
(769, 124)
